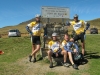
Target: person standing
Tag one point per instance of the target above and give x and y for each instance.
(35, 33)
(79, 28)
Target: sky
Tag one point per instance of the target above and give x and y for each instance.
(13, 12)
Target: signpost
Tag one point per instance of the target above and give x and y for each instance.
(55, 12)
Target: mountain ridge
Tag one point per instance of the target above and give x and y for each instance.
(21, 26)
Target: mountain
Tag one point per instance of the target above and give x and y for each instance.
(21, 26)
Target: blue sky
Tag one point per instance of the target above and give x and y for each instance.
(13, 12)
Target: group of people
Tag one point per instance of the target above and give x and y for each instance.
(56, 48)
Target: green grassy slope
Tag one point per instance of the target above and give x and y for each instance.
(18, 48)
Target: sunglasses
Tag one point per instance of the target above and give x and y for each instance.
(75, 17)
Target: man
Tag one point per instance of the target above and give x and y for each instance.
(55, 50)
(79, 28)
(35, 36)
(67, 45)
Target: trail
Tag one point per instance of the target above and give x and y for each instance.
(40, 68)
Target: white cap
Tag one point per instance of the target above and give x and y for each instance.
(54, 34)
(37, 15)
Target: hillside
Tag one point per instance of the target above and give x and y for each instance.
(95, 23)
(14, 61)
(21, 26)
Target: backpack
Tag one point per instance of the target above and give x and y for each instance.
(78, 58)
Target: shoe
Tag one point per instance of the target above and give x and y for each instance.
(51, 65)
(34, 60)
(75, 66)
(30, 57)
(66, 64)
(84, 61)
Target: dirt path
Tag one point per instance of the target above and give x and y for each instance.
(39, 68)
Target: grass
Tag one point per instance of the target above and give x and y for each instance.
(93, 55)
(93, 46)
(51, 73)
(16, 48)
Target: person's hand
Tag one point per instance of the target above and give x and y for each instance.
(67, 23)
(75, 50)
(56, 54)
(31, 33)
(72, 40)
(45, 36)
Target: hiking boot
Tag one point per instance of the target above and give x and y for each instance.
(34, 60)
(75, 66)
(66, 64)
(51, 65)
(84, 61)
(30, 57)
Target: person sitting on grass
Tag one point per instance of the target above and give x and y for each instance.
(67, 45)
(55, 50)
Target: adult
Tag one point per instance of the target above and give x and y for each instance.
(35, 33)
(80, 29)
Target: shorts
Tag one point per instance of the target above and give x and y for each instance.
(36, 40)
(79, 37)
(59, 55)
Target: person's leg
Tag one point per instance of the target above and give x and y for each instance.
(30, 56)
(35, 51)
(64, 53)
(71, 60)
(80, 37)
(83, 47)
(33, 48)
(50, 55)
(50, 58)
(83, 44)
(37, 42)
